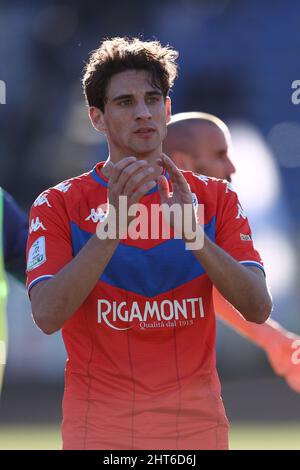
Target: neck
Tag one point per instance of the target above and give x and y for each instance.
(151, 157)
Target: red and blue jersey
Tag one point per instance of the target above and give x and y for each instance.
(141, 369)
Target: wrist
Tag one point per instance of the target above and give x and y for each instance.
(195, 239)
(105, 242)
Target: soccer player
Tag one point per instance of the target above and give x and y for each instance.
(201, 142)
(136, 313)
(13, 237)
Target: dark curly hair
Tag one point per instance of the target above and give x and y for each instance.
(120, 54)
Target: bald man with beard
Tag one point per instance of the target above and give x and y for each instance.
(201, 143)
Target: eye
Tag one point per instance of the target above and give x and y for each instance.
(126, 102)
(153, 99)
(222, 154)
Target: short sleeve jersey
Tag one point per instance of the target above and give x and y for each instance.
(141, 369)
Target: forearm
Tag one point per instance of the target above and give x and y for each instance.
(63, 294)
(258, 334)
(243, 288)
(57, 299)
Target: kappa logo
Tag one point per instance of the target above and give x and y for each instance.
(42, 199)
(241, 212)
(64, 186)
(35, 225)
(203, 178)
(96, 215)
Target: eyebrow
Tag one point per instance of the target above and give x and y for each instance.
(126, 97)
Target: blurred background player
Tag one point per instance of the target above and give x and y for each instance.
(13, 237)
(201, 143)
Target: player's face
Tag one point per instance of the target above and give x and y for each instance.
(211, 156)
(135, 116)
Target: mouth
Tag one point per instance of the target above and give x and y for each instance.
(144, 131)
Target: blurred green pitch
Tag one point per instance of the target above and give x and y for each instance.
(271, 436)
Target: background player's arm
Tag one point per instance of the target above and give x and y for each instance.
(277, 342)
(15, 232)
(55, 300)
(244, 287)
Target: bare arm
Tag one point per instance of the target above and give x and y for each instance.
(259, 334)
(55, 300)
(244, 287)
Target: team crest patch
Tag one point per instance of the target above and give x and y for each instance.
(37, 254)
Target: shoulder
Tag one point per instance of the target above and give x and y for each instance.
(217, 196)
(207, 186)
(66, 193)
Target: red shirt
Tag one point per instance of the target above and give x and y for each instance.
(141, 370)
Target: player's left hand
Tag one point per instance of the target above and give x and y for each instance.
(181, 196)
(284, 356)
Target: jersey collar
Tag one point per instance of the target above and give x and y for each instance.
(98, 176)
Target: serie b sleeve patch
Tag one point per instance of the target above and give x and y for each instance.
(37, 254)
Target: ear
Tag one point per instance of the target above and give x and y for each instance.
(168, 108)
(97, 118)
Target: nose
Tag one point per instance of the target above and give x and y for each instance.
(142, 111)
(230, 167)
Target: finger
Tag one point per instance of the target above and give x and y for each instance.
(141, 191)
(127, 172)
(180, 186)
(163, 188)
(137, 179)
(117, 168)
(108, 166)
(175, 173)
(166, 162)
(185, 194)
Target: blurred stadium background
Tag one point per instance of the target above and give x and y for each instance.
(238, 60)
